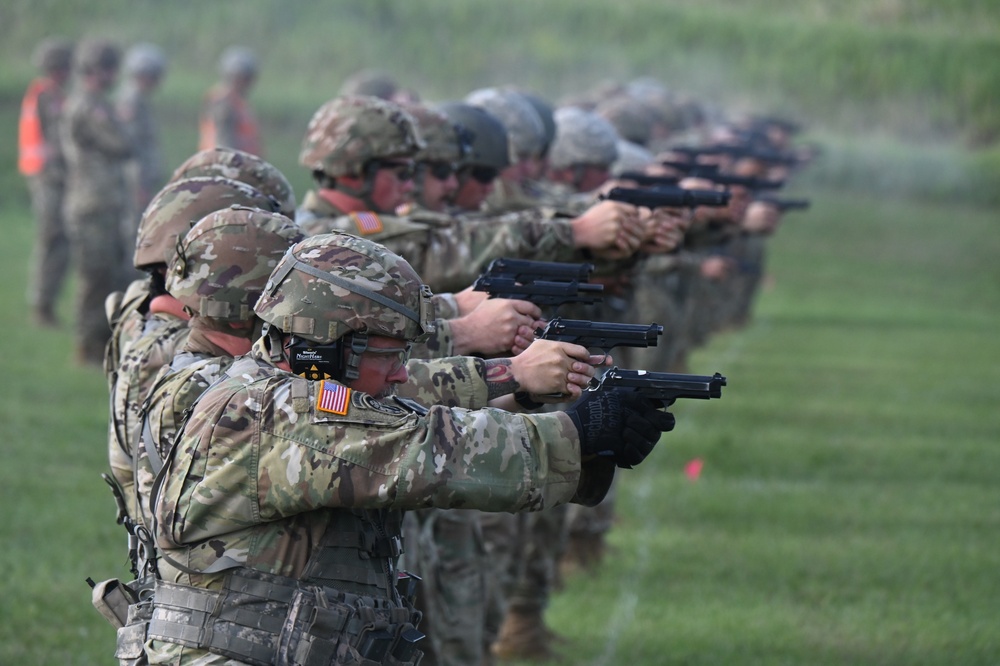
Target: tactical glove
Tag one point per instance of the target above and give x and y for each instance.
(619, 424)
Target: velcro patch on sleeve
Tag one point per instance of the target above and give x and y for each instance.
(367, 222)
(333, 398)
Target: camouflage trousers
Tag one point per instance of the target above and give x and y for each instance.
(96, 250)
(524, 550)
(50, 255)
(445, 548)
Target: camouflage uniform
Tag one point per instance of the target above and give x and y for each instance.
(47, 183)
(320, 534)
(450, 251)
(147, 331)
(96, 147)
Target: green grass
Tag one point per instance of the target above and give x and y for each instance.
(847, 509)
(846, 512)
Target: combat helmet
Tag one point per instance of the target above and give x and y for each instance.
(489, 147)
(53, 55)
(582, 138)
(224, 261)
(370, 82)
(145, 59)
(526, 133)
(176, 208)
(631, 157)
(225, 162)
(443, 140)
(348, 132)
(631, 118)
(238, 62)
(94, 55)
(547, 115)
(330, 285)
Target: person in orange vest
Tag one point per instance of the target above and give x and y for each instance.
(41, 162)
(97, 147)
(226, 118)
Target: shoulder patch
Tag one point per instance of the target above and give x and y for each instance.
(367, 222)
(365, 401)
(333, 398)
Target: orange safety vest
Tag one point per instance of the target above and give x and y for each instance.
(31, 147)
(246, 126)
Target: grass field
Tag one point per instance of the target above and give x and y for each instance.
(847, 512)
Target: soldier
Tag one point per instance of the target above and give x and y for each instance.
(302, 569)
(527, 142)
(41, 162)
(226, 118)
(96, 147)
(144, 68)
(149, 323)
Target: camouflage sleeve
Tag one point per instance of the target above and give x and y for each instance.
(445, 306)
(534, 233)
(100, 129)
(439, 344)
(265, 452)
(458, 381)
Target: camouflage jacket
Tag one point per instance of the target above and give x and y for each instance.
(264, 463)
(96, 147)
(448, 251)
(163, 334)
(126, 312)
(458, 381)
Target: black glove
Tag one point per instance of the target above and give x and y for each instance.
(619, 424)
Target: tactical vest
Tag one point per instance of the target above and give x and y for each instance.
(344, 609)
(247, 131)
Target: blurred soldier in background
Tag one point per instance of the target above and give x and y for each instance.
(226, 118)
(144, 68)
(97, 147)
(526, 140)
(41, 161)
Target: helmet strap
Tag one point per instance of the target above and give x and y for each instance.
(356, 345)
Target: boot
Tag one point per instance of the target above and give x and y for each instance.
(523, 635)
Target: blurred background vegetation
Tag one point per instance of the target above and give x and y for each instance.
(902, 92)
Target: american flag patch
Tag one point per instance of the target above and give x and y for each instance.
(333, 398)
(367, 222)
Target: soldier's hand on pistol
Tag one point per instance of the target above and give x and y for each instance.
(555, 371)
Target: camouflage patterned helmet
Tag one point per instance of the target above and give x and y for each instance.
(631, 118)
(96, 55)
(443, 141)
(53, 55)
(238, 165)
(176, 208)
(488, 135)
(525, 131)
(145, 59)
(330, 285)
(582, 138)
(224, 261)
(348, 132)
